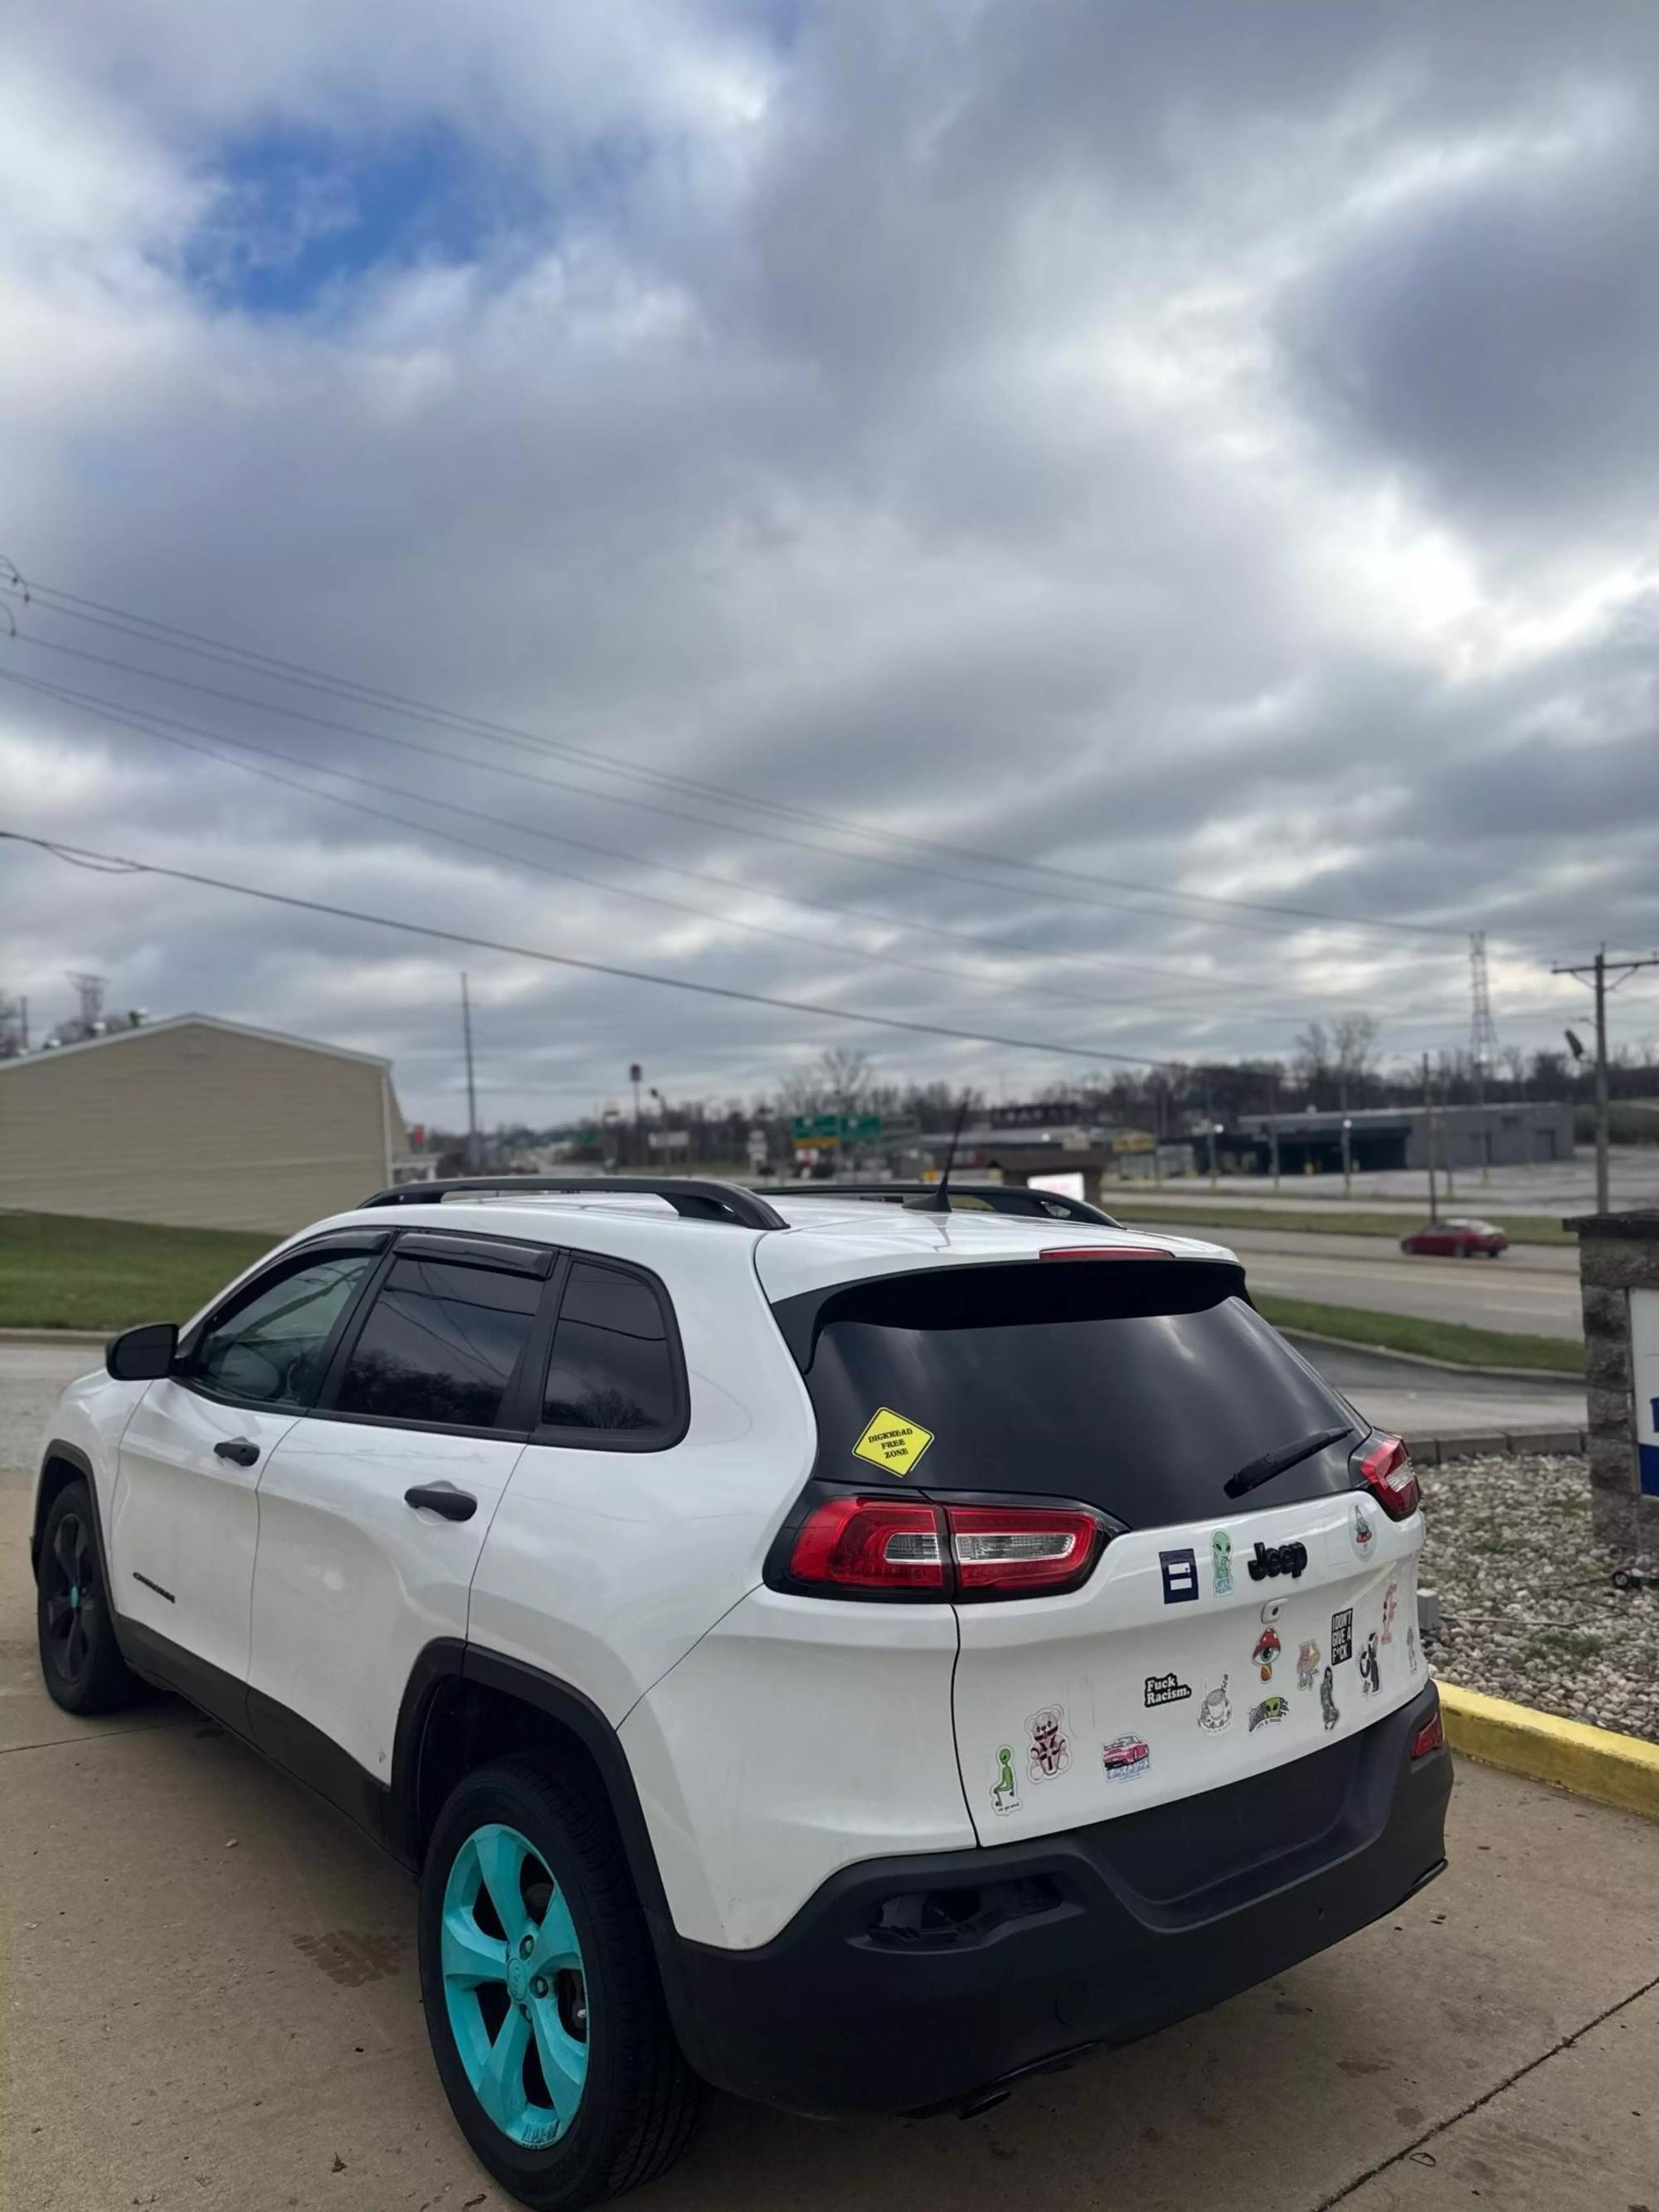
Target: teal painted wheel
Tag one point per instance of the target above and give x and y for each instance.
(514, 1986)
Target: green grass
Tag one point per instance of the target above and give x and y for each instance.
(59, 1271)
(1432, 1340)
(1571, 1643)
(1519, 1228)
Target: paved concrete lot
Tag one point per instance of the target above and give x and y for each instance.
(210, 1999)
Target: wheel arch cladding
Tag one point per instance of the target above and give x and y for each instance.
(61, 1464)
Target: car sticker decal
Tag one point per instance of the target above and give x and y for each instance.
(1342, 1636)
(1221, 1563)
(1361, 1533)
(1167, 1689)
(1306, 1665)
(1267, 1649)
(1049, 1753)
(1216, 1712)
(1180, 1570)
(1390, 1606)
(1411, 1646)
(1278, 1560)
(1270, 1709)
(1005, 1791)
(891, 1441)
(1125, 1757)
(1370, 1673)
(1328, 1704)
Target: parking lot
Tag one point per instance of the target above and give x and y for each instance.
(210, 2000)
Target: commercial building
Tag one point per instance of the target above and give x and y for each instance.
(1386, 1137)
(199, 1122)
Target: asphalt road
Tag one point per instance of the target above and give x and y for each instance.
(210, 2000)
(1532, 1289)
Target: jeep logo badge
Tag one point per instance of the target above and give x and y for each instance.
(1278, 1560)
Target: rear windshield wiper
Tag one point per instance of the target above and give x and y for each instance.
(1258, 1471)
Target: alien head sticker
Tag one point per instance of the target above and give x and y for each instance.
(1216, 1712)
(1267, 1649)
(1307, 1666)
(1390, 1606)
(1125, 1757)
(1360, 1531)
(1049, 1752)
(1221, 1563)
(1005, 1791)
(1270, 1709)
(1342, 1636)
(1328, 1704)
(1371, 1673)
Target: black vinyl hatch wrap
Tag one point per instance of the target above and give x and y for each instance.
(1138, 1385)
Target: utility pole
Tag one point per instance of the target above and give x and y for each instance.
(1273, 1121)
(1597, 972)
(472, 1089)
(1428, 1139)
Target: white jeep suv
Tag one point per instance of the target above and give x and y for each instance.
(854, 1654)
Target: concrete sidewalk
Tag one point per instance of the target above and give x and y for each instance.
(210, 2000)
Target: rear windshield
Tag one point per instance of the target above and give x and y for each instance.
(1135, 1386)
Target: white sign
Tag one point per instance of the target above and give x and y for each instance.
(1645, 1368)
(670, 1140)
(1062, 1186)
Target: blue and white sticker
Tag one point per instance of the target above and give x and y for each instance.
(1180, 1577)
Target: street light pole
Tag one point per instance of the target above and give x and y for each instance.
(472, 1089)
(1347, 1157)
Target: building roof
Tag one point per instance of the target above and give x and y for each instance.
(192, 1021)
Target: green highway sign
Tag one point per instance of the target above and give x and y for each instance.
(837, 1128)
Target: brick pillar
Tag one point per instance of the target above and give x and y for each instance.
(1618, 1253)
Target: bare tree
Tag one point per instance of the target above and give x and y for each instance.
(11, 1028)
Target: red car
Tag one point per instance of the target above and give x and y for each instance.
(1457, 1240)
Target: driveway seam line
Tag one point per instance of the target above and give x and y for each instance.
(57, 1742)
(1564, 2043)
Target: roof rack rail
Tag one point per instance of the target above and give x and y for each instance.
(995, 1197)
(698, 1197)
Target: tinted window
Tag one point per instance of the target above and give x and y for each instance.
(440, 1343)
(271, 1349)
(1136, 1387)
(612, 1367)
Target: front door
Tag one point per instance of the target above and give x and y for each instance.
(184, 1523)
(374, 1509)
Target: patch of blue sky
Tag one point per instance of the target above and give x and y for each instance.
(302, 215)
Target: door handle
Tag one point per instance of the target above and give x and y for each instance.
(443, 1497)
(242, 1449)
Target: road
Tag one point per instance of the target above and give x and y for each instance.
(1423, 1401)
(1553, 1187)
(1531, 1289)
(211, 2000)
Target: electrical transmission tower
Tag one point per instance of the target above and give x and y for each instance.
(1483, 1031)
(91, 991)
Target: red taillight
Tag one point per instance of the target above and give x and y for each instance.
(1020, 1551)
(1102, 1252)
(1428, 1737)
(871, 1544)
(892, 1545)
(1385, 1468)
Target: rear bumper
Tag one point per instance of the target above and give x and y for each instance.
(1093, 1937)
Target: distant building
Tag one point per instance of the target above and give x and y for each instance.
(1385, 1137)
(200, 1122)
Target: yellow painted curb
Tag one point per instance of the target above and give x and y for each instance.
(1592, 1762)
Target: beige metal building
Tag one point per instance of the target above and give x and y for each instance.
(199, 1122)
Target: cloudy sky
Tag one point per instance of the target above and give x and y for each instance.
(1119, 527)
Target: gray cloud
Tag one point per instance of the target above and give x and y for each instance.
(1204, 448)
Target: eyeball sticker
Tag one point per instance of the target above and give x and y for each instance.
(1267, 1649)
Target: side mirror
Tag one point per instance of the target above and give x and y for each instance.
(142, 1355)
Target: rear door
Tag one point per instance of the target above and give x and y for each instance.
(1218, 1636)
(374, 1509)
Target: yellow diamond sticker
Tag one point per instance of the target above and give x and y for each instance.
(893, 1442)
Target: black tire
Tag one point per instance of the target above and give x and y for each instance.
(640, 2103)
(80, 1659)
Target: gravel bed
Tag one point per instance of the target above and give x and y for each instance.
(1531, 1611)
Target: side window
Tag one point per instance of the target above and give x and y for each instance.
(614, 1362)
(441, 1344)
(270, 1348)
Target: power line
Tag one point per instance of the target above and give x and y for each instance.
(166, 730)
(81, 855)
(145, 628)
(1228, 985)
